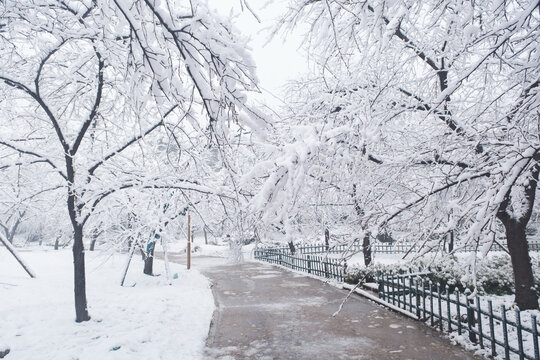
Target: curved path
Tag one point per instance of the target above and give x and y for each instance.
(264, 312)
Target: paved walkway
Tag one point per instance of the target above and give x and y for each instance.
(264, 312)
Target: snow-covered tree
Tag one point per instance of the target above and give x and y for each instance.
(429, 110)
(95, 86)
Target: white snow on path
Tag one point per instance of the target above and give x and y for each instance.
(147, 319)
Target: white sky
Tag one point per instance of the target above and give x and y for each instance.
(278, 60)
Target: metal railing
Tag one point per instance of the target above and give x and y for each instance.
(377, 248)
(316, 265)
(443, 308)
(451, 311)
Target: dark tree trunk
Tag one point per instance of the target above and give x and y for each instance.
(292, 248)
(327, 238)
(451, 242)
(149, 261)
(79, 275)
(516, 239)
(10, 233)
(526, 297)
(366, 248)
(4, 352)
(81, 307)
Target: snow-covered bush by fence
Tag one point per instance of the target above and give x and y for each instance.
(494, 274)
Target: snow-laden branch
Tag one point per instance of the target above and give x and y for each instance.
(13, 252)
(42, 158)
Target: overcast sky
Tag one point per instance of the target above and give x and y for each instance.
(278, 60)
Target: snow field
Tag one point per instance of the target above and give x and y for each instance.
(146, 319)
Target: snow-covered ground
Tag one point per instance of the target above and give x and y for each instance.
(145, 319)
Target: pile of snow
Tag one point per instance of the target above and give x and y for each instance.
(146, 319)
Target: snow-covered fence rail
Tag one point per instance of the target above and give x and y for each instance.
(503, 331)
(378, 247)
(316, 265)
(317, 249)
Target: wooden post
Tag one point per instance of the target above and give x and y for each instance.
(505, 332)
(205, 236)
(188, 241)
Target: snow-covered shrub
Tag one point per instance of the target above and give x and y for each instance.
(494, 275)
(356, 274)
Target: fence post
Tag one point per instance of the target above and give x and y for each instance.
(326, 268)
(448, 313)
(410, 279)
(417, 298)
(380, 283)
(398, 288)
(470, 316)
(439, 302)
(432, 313)
(491, 328)
(308, 264)
(479, 320)
(519, 335)
(505, 332)
(423, 299)
(393, 292)
(458, 308)
(535, 337)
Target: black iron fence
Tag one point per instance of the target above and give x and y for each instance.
(502, 331)
(316, 265)
(378, 247)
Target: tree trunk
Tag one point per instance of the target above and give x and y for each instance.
(366, 248)
(81, 307)
(79, 274)
(4, 352)
(149, 259)
(327, 238)
(526, 297)
(451, 242)
(516, 239)
(291, 247)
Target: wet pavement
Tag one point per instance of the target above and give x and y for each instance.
(265, 312)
